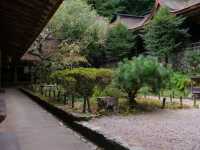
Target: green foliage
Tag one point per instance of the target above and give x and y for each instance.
(72, 19)
(119, 44)
(134, 74)
(192, 60)
(76, 23)
(180, 82)
(164, 34)
(68, 55)
(94, 47)
(106, 7)
(75, 20)
(43, 70)
(109, 90)
(84, 80)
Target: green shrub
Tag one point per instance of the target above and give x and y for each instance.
(134, 74)
(84, 80)
(110, 90)
(180, 82)
(192, 60)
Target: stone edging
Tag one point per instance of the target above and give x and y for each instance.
(91, 133)
(59, 113)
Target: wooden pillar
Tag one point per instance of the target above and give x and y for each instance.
(15, 74)
(0, 68)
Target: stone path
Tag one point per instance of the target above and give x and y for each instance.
(36, 129)
(161, 130)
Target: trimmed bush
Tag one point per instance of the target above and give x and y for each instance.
(84, 80)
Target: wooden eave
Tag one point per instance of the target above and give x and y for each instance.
(22, 21)
(188, 11)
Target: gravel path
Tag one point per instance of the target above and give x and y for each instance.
(162, 130)
(36, 129)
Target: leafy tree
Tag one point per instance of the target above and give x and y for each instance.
(139, 72)
(164, 34)
(74, 21)
(119, 44)
(68, 55)
(95, 44)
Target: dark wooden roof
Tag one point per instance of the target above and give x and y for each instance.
(188, 8)
(131, 21)
(22, 21)
(178, 5)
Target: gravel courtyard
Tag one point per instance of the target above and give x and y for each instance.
(161, 130)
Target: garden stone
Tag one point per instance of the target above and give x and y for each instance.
(108, 103)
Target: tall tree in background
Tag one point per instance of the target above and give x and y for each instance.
(165, 35)
(137, 7)
(109, 7)
(119, 44)
(77, 22)
(74, 20)
(106, 8)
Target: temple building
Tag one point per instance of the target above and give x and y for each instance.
(186, 8)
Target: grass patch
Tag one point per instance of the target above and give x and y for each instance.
(147, 105)
(144, 105)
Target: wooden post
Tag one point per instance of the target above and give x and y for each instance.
(58, 96)
(84, 105)
(15, 74)
(163, 103)
(159, 96)
(49, 91)
(54, 92)
(65, 99)
(195, 101)
(72, 101)
(181, 102)
(88, 104)
(173, 94)
(0, 69)
(171, 99)
(41, 90)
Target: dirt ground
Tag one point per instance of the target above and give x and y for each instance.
(161, 130)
